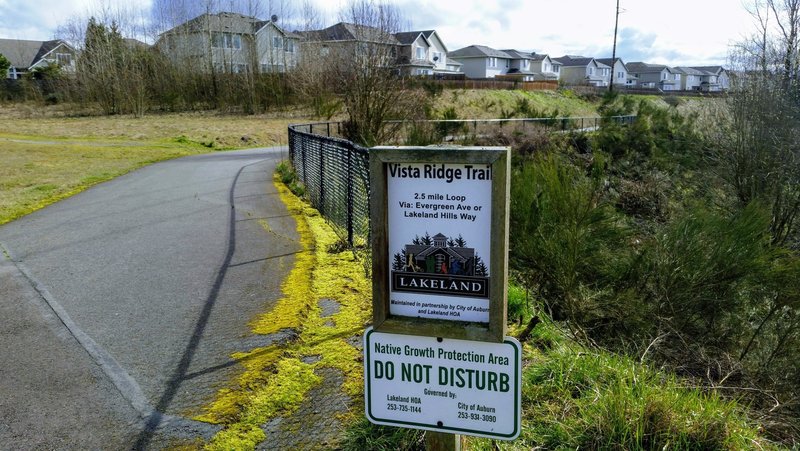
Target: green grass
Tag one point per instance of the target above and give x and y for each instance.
(36, 173)
(47, 157)
(574, 397)
(579, 398)
(489, 104)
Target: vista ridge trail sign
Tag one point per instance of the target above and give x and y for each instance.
(439, 220)
(437, 357)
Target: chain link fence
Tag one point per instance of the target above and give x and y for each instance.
(335, 173)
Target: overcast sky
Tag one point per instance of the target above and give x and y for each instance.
(675, 32)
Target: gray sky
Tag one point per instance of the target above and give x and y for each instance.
(676, 32)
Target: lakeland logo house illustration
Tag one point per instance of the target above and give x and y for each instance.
(440, 265)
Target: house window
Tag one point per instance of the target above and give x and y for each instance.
(64, 59)
(620, 75)
(591, 71)
(491, 62)
(526, 64)
(545, 67)
(663, 75)
(288, 45)
(420, 53)
(277, 42)
(226, 40)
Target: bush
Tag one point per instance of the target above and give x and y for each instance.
(289, 178)
(699, 274)
(563, 233)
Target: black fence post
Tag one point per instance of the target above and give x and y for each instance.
(322, 208)
(304, 158)
(350, 203)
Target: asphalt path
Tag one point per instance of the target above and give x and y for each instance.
(120, 306)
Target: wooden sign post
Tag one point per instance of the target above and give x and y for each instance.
(437, 357)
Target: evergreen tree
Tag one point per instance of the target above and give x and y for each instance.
(4, 64)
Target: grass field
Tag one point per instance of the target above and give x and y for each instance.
(46, 158)
(47, 154)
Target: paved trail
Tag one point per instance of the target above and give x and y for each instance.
(120, 306)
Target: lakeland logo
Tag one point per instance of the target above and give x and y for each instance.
(440, 265)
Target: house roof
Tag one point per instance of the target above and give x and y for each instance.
(689, 70)
(23, 54)
(645, 68)
(573, 60)
(429, 33)
(538, 56)
(478, 51)
(516, 54)
(408, 37)
(713, 70)
(226, 22)
(610, 62)
(223, 21)
(515, 71)
(344, 31)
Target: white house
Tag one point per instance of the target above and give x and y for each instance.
(544, 67)
(656, 76)
(521, 66)
(619, 70)
(424, 53)
(480, 61)
(581, 70)
(715, 78)
(25, 56)
(691, 78)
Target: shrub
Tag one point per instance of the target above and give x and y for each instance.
(563, 233)
(699, 271)
(289, 178)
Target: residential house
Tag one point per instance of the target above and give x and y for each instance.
(691, 78)
(480, 61)
(424, 53)
(26, 56)
(655, 76)
(618, 69)
(581, 70)
(521, 66)
(231, 43)
(359, 45)
(543, 67)
(715, 78)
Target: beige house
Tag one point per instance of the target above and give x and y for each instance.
(231, 43)
(26, 56)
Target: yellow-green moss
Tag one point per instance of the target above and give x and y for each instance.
(275, 380)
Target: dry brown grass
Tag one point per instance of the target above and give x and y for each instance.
(47, 156)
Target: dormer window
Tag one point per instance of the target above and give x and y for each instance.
(420, 53)
(64, 59)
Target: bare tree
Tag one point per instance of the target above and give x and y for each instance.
(359, 56)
